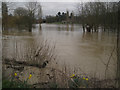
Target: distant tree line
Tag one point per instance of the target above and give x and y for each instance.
(61, 17)
(22, 17)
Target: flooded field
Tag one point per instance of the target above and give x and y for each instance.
(85, 51)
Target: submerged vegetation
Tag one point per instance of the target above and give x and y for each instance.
(22, 17)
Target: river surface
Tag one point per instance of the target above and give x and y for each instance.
(88, 52)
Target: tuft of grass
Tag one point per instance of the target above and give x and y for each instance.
(53, 85)
(14, 84)
(78, 82)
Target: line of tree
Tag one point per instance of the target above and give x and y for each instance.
(22, 17)
(97, 14)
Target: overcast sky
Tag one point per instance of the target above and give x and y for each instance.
(51, 7)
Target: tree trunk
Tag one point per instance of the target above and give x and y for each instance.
(30, 27)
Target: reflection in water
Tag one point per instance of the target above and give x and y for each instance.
(40, 28)
(87, 35)
(72, 27)
(66, 27)
(86, 50)
(59, 28)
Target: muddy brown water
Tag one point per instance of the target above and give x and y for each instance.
(85, 51)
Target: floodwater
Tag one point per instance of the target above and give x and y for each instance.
(88, 52)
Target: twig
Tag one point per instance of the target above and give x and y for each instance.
(109, 62)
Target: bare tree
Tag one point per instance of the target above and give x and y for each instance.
(98, 13)
(20, 11)
(4, 15)
(34, 9)
(40, 14)
(81, 14)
